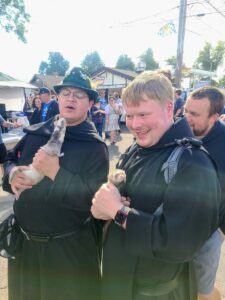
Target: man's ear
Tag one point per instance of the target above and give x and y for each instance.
(91, 102)
(169, 107)
(215, 117)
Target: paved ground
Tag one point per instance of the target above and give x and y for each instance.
(124, 140)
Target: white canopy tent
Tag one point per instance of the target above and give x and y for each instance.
(13, 93)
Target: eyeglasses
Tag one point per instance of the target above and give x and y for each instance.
(75, 95)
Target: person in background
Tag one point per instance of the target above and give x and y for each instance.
(112, 115)
(149, 250)
(60, 256)
(202, 111)
(103, 103)
(49, 107)
(97, 116)
(179, 104)
(36, 115)
(119, 104)
(3, 151)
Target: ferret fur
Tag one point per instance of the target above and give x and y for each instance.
(53, 147)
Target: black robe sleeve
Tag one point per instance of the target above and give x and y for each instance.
(190, 214)
(11, 161)
(76, 189)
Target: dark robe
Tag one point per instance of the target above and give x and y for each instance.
(214, 142)
(155, 251)
(35, 117)
(68, 267)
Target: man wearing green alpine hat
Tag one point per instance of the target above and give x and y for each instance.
(61, 250)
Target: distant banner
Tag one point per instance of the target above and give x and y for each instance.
(167, 29)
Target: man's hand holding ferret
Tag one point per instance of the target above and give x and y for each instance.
(47, 165)
(106, 202)
(19, 181)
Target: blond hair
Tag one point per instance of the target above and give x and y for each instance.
(154, 85)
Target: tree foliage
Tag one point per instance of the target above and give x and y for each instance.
(92, 62)
(172, 61)
(124, 62)
(13, 17)
(221, 82)
(148, 59)
(210, 58)
(56, 65)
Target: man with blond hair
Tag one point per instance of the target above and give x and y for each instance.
(149, 252)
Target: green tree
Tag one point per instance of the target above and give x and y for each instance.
(56, 65)
(210, 58)
(13, 17)
(124, 62)
(92, 62)
(148, 59)
(172, 61)
(221, 82)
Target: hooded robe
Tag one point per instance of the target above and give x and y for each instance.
(67, 267)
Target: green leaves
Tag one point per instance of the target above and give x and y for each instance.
(124, 62)
(148, 59)
(13, 17)
(92, 62)
(210, 58)
(56, 65)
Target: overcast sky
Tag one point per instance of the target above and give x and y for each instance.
(76, 28)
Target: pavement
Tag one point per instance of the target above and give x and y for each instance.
(124, 140)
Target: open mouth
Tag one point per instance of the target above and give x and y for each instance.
(142, 134)
(70, 107)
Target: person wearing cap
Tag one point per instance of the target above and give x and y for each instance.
(49, 107)
(97, 116)
(60, 256)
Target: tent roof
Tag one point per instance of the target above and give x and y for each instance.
(4, 77)
(8, 81)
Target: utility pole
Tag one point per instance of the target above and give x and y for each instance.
(180, 41)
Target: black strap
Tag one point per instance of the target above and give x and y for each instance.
(47, 238)
(169, 168)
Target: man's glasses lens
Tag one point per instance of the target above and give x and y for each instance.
(75, 95)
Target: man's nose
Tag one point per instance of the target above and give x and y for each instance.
(71, 97)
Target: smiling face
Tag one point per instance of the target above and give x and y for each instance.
(37, 102)
(73, 105)
(149, 120)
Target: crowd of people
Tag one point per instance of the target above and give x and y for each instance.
(105, 112)
(147, 238)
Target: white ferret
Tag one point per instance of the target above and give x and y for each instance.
(53, 147)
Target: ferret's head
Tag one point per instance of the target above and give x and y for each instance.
(59, 131)
(61, 123)
(117, 177)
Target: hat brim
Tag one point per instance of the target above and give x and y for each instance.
(93, 95)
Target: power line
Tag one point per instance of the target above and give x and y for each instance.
(156, 14)
(166, 20)
(216, 9)
(211, 27)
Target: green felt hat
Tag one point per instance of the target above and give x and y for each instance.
(78, 78)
